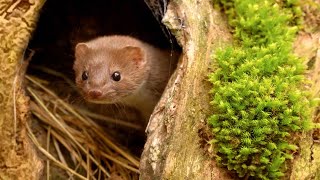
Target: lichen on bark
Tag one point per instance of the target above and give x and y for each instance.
(18, 160)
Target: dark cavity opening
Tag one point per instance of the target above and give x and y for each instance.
(64, 23)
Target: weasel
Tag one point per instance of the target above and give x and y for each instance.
(122, 69)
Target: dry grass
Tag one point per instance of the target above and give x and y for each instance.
(82, 148)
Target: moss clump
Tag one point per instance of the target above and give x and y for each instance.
(257, 90)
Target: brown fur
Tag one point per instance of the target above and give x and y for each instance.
(144, 71)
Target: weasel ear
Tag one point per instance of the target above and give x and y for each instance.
(81, 49)
(135, 53)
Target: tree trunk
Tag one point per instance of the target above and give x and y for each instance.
(306, 164)
(176, 146)
(18, 160)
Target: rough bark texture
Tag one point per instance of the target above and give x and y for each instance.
(306, 165)
(17, 158)
(172, 150)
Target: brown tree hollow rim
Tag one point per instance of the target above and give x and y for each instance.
(172, 150)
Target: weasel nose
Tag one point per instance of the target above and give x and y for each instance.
(95, 93)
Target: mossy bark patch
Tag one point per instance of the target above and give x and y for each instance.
(258, 90)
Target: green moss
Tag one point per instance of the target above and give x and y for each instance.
(257, 92)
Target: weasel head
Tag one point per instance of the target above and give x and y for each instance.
(109, 74)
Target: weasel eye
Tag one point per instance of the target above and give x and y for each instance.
(116, 76)
(85, 75)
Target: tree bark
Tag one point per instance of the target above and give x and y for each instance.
(18, 160)
(178, 129)
(306, 165)
(173, 148)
